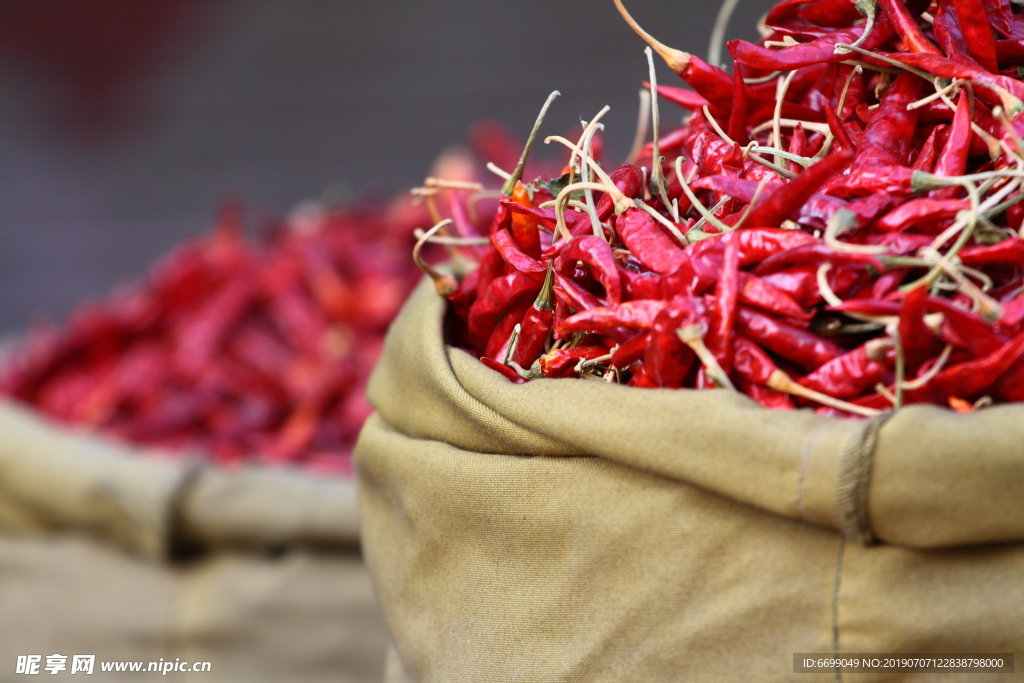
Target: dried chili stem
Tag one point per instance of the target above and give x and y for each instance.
(703, 210)
(693, 336)
(677, 60)
(780, 381)
(780, 97)
(444, 284)
(517, 174)
(841, 221)
(641, 126)
(718, 31)
(680, 237)
(657, 172)
(493, 168)
(934, 370)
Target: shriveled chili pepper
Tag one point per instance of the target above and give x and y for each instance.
(972, 377)
(816, 253)
(667, 361)
(594, 252)
(722, 316)
(654, 248)
(513, 256)
(785, 201)
(568, 291)
(907, 28)
(918, 211)
(501, 294)
(850, 374)
(973, 25)
(501, 335)
(916, 339)
(807, 54)
(631, 350)
(524, 226)
(634, 314)
(789, 342)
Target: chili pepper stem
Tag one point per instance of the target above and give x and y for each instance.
(545, 298)
(780, 97)
(934, 370)
(780, 381)
(693, 336)
(657, 172)
(446, 285)
(869, 9)
(718, 31)
(641, 126)
(677, 60)
(664, 221)
(513, 342)
(697, 204)
(493, 168)
(841, 221)
(517, 174)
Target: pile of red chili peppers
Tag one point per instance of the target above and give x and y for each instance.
(836, 225)
(232, 350)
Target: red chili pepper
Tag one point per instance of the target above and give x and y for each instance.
(965, 329)
(808, 54)
(667, 361)
(722, 316)
(575, 296)
(765, 397)
(817, 253)
(789, 342)
(943, 67)
(500, 295)
(973, 24)
(917, 211)
(631, 350)
(737, 126)
(785, 202)
(907, 28)
(632, 314)
(649, 244)
(850, 374)
(513, 256)
(926, 158)
(595, 253)
(501, 335)
(972, 377)
(916, 338)
(1008, 252)
(636, 285)
(524, 226)
(838, 129)
(750, 362)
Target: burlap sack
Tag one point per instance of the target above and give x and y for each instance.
(271, 587)
(567, 530)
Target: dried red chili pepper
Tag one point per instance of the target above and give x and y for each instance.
(789, 342)
(595, 253)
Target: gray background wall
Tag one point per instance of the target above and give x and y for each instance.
(122, 128)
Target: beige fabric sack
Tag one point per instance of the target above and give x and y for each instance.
(91, 538)
(567, 530)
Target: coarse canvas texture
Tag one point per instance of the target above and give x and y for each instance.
(573, 530)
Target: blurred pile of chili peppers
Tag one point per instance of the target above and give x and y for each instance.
(835, 225)
(242, 351)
